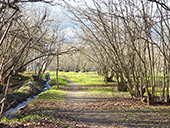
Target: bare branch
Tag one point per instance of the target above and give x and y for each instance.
(5, 33)
(160, 3)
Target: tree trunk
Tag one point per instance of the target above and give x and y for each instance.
(167, 99)
(167, 92)
(136, 81)
(121, 87)
(57, 71)
(48, 63)
(110, 79)
(5, 97)
(150, 100)
(99, 72)
(105, 73)
(142, 89)
(163, 93)
(39, 72)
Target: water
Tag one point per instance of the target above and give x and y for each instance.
(15, 110)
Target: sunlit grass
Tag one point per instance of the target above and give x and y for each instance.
(158, 91)
(53, 94)
(86, 78)
(23, 118)
(29, 117)
(106, 92)
(61, 80)
(27, 74)
(103, 89)
(100, 94)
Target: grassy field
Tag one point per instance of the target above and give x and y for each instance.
(86, 78)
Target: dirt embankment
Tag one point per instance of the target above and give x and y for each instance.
(29, 89)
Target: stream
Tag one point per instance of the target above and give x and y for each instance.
(13, 111)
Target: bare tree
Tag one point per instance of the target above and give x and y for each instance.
(124, 32)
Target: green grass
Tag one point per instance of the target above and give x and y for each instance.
(103, 92)
(158, 91)
(91, 78)
(103, 89)
(53, 94)
(106, 92)
(61, 80)
(100, 94)
(29, 117)
(23, 118)
(86, 78)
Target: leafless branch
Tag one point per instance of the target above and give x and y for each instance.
(163, 5)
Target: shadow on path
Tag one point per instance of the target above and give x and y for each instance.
(87, 109)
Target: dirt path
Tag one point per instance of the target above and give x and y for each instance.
(104, 111)
(78, 99)
(74, 95)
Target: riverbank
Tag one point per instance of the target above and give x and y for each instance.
(20, 95)
(29, 89)
(35, 91)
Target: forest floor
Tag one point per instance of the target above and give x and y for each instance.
(93, 110)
